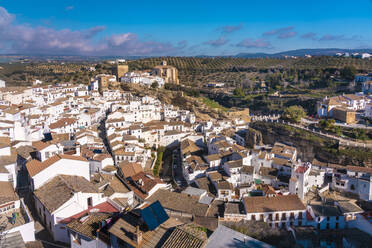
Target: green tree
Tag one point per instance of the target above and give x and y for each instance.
(239, 92)
(329, 125)
(348, 73)
(294, 113)
(159, 160)
(155, 85)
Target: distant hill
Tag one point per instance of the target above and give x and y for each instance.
(303, 52)
(79, 58)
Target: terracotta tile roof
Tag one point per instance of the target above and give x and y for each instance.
(281, 161)
(123, 202)
(142, 183)
(60, 189)
(35, 166)
(7, 193)
(89, 224)
(283, 150)
(6, 160)
(4, 142)
(224, 185)
(125, 228)
(268, 172)
(24, 151)
(40, 145)
(262, 204)
(181, 239)
(130, 169)
(110, 184)
(101, 157)
(128, 137)
(359, 169)
(215, 175)
(104, 207)
(235, 163)
(213, 157)
(188, 146)
(247, 170)
(179, 202)
(62, 123)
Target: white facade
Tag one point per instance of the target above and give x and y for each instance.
(76, 204)
(61, 167)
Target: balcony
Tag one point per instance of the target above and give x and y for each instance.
(14, 217)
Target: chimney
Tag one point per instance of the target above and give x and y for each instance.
(138, 235)
(77, 149)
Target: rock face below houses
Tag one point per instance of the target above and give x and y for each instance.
(310, 146)
(253, 138)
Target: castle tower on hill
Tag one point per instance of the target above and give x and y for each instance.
(167, 72)
(120, 70)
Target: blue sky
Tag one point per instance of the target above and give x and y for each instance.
(181, 27)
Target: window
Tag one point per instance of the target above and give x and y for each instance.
(284, 216)
(300, 223)
(253, 217)
(270, 216)
(261, 217)
(276, 216)
(90, 202)
(327, 218)
(300, 215)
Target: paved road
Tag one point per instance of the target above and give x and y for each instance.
(178, 170)
(354, 126)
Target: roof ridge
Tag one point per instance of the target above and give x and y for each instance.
(66, 183)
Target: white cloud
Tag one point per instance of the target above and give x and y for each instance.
(26, 39)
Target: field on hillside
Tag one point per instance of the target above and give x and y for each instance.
(223, 63)
(236, 72)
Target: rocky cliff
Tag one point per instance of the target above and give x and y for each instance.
(310, 146)
(253, 137)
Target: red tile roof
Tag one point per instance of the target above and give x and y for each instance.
(35, 166)
(104, 207)
(261, 204)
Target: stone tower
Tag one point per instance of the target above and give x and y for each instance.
(121, 69)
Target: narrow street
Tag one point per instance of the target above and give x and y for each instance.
(178, 170)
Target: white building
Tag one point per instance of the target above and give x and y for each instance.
(62, 197)
(14, 215)
(353, 179)
(2, 84)
(278, 211)
(41, 172)
(142, 78)
(326, 216)
(304, 178)
(37, 82)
